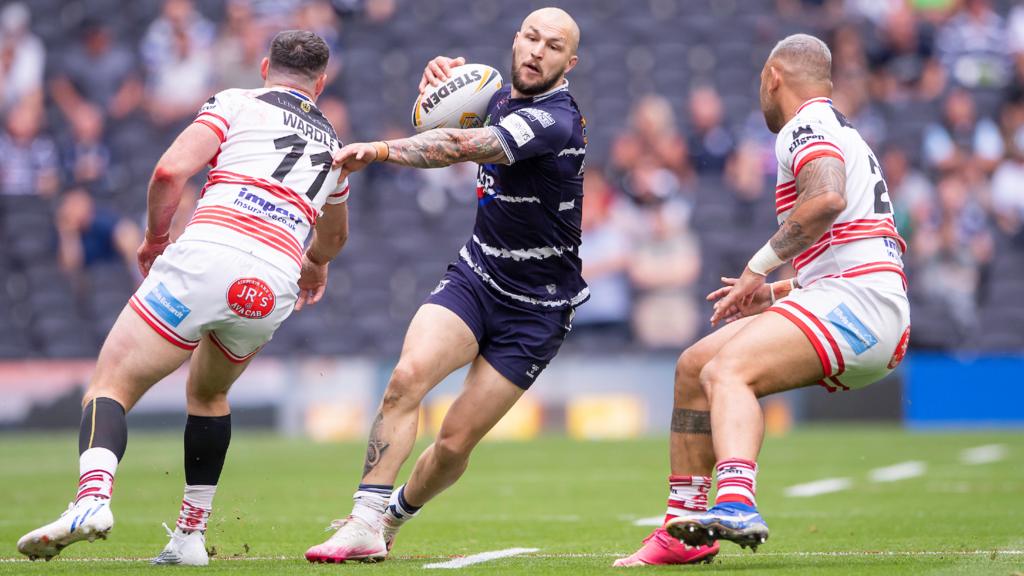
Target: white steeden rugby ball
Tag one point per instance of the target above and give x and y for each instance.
(461, 102)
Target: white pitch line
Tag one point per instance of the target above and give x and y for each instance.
(482, 557)
(652, 521)
(819, 487)
(983, 454)
(901, 471)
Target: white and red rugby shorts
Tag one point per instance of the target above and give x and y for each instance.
(196, 288)
(859, 326)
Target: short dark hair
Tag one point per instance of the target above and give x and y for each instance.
(299, 52)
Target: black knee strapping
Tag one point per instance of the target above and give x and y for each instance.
(103, 426)
(206, 444)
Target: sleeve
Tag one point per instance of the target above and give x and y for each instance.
(531, 132)
(217, 113)
(803, 143)
(340, 193)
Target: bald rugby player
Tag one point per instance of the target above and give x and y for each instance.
(843, 323)
(505, 305)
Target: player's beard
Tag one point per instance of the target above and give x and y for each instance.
(540, 86)
(773, 116)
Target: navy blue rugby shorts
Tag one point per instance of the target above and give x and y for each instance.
(518, 342)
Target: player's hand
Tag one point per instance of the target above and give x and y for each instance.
(740, 297)
(152, 246)
(312, 282)
(353, 158)
(438, 70)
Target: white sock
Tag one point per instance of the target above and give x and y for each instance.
(370, 502)
(96, 469)
(196, 507)
(399, 511)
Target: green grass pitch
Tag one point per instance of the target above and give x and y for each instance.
(573, 501)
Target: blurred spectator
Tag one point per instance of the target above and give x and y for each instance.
(710, 142)
(86, 157)
(664, 267)
(22, 58)
(98, 72)
(606, 255)
(319, 17)
(240, 46)
(973, 46)
(961, 140)
(652, 137)
(28, 159)
(903, 49)
(952, 252)
(910, 191)
(752, 211)
(1008, 193)
(90, 234)
(179, 69)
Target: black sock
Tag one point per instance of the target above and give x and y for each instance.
(206, 444)
(103, 426)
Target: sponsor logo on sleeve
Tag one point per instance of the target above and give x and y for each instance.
(804, 135)
(539, 116)
(251, 298)
(166, 306)
(518, 128)
(853, 330)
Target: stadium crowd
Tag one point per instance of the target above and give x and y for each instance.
(680, 164)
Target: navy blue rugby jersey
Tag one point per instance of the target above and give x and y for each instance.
(526, 240)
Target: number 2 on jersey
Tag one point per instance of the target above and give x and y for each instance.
(881, 189)
(298, 145)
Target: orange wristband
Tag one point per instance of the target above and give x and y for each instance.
(383, 151)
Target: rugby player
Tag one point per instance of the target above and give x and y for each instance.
(217, 294)
(505, 306)
(843, 323)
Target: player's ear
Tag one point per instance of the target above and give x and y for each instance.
(264, 67)
(321, 82)
(774, 79)
(573, 60)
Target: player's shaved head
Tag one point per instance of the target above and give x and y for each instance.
(804, 59)
(556, 19)
(799, 68)
(543, 51)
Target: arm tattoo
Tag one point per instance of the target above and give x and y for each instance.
(376, 446)
(691, 422)
(445, 146)
(821, 178)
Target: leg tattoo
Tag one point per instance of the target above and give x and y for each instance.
(376, 446)
(691, 421)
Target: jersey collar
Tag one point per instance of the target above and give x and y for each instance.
(560, 88)
(292, 91)
(822, 100)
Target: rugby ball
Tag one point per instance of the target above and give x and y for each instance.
(461, 102)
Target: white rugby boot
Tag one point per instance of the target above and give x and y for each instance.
(354, 540)
(184, 549)
(88, 519)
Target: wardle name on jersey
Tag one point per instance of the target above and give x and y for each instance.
(298, 114)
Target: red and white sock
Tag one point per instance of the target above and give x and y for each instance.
(737, 481)
(96, 468)
(687, 495)
(196, 507)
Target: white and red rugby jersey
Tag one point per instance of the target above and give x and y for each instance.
(863, 239)
(271, 177)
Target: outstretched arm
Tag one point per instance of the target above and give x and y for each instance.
(431, 149)
(821, 198)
